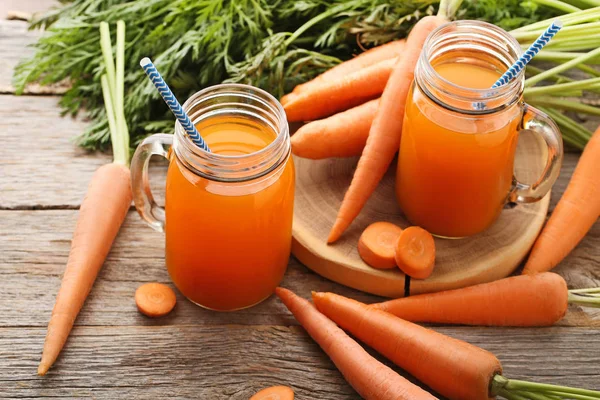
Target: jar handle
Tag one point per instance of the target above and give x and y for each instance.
(152, 213)
(538, 122)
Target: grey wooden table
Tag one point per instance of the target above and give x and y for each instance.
(114, 352)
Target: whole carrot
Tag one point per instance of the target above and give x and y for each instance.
(455, 369)
(369, 377)
(524, 300)
(574, 215)
(341, 135)
(101, 214)
(384, 137)
(451, 367)
(341, 94)
(363, 60)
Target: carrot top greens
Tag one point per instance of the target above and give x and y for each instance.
(200, 43)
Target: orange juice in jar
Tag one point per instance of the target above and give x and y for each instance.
(228, 213)
(456, 159)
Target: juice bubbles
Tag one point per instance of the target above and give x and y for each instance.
(228, 242)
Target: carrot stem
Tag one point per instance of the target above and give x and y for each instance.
(585, 297)
(563, 67)
(113, 82)
(537, 396)
(559, 5)
(569, 105)
(574, 18)
(586, 84)
(501, 386)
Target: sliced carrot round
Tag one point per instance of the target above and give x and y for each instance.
(415, 252)
(274, 393)
(377, 244)
(155, 299)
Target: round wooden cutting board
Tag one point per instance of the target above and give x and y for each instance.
(491, 255)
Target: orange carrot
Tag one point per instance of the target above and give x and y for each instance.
(453, 368)
(377, 244)
(102, 211)
(574, 215)
(341, 94)
(524, 300)
(384, 137)
(341, 135)
(369, 377)
(274, 393)
(363, 60)
(415, 252)
(155, 299)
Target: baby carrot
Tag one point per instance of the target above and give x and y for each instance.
(415, 252)
(274, 393)
(377, 244)
(342, 135)
(384, 137)
(574, 215)
(369, 377)
(155, 299)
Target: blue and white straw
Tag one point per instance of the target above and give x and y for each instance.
(529, 54)
(172, 102)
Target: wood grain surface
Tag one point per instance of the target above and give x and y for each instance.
(116, 353)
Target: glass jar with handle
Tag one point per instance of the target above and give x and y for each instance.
(228, 213)
(456, 160)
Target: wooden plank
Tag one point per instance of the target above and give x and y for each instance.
(30, 6)
(41, 167)
(222, 362)
(34, 246)
(15, 41)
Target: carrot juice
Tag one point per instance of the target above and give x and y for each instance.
(459, 135)
(454, 174)
(228, 244)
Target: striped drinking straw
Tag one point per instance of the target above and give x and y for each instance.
(172, 102)
(529, 54)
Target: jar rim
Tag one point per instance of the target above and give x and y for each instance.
(200, 151)
(503, 96)
(234, 100)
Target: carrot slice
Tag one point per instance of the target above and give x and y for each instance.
(377, 244)
(415, 252)
(274, 393)
(155, 299)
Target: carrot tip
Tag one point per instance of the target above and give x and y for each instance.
(42, 369)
